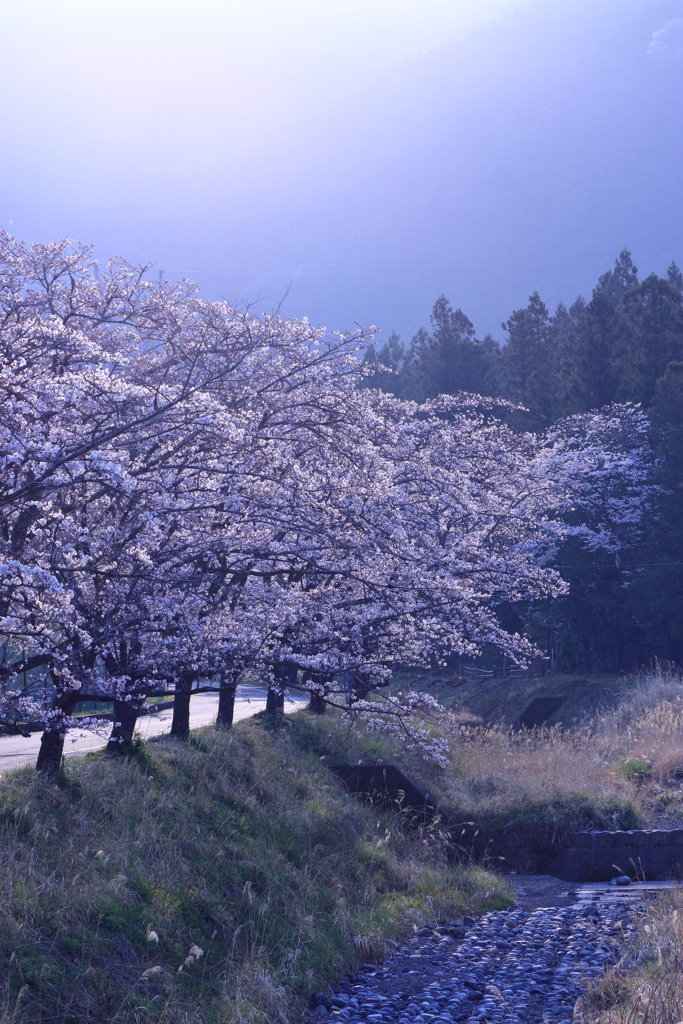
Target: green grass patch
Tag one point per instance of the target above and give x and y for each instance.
(241, 844)
(636, 769)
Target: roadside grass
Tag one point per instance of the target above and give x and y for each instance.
(242, 845)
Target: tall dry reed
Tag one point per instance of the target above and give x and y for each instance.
(647, 985)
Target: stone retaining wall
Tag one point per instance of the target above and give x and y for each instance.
(655, 855)
(387, 786)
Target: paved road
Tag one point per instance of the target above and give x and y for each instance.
(16, 751)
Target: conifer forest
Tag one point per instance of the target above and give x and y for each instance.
(623, 344)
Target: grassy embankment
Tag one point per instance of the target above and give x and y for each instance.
(243, 845)
(247, 847)
(615, 744)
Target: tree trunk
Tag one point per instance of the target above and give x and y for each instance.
(125, 719)
(359, 690)
(226, 701)
(275, 701)
(50, 753)
(180, 727)
(285, 674)
(52, 740)
(317, 704)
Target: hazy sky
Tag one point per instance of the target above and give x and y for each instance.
(81, 69)
(375, 30)
(254, 144)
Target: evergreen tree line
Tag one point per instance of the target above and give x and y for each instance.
(624, 345)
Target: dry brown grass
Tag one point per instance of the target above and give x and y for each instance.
(496, 767)
(647, 987)
(501, 766)
(649, 725)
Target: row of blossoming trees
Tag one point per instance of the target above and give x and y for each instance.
(193, 493)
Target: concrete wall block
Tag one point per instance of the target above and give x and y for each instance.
(628, 841)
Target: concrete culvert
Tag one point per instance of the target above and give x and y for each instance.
(539, 712)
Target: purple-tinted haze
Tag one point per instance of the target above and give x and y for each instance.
(522, 157)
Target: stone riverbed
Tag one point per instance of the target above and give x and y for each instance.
(515, 966)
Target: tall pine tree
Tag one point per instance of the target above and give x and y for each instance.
(592, 374)
(529, 361)
(652, 337)
(615, 283)
(451, 359)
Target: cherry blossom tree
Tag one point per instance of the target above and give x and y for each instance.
(191, 492)
(110, 388)
(414, 534)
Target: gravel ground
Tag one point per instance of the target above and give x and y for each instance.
(541, 891)
(525, 965)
